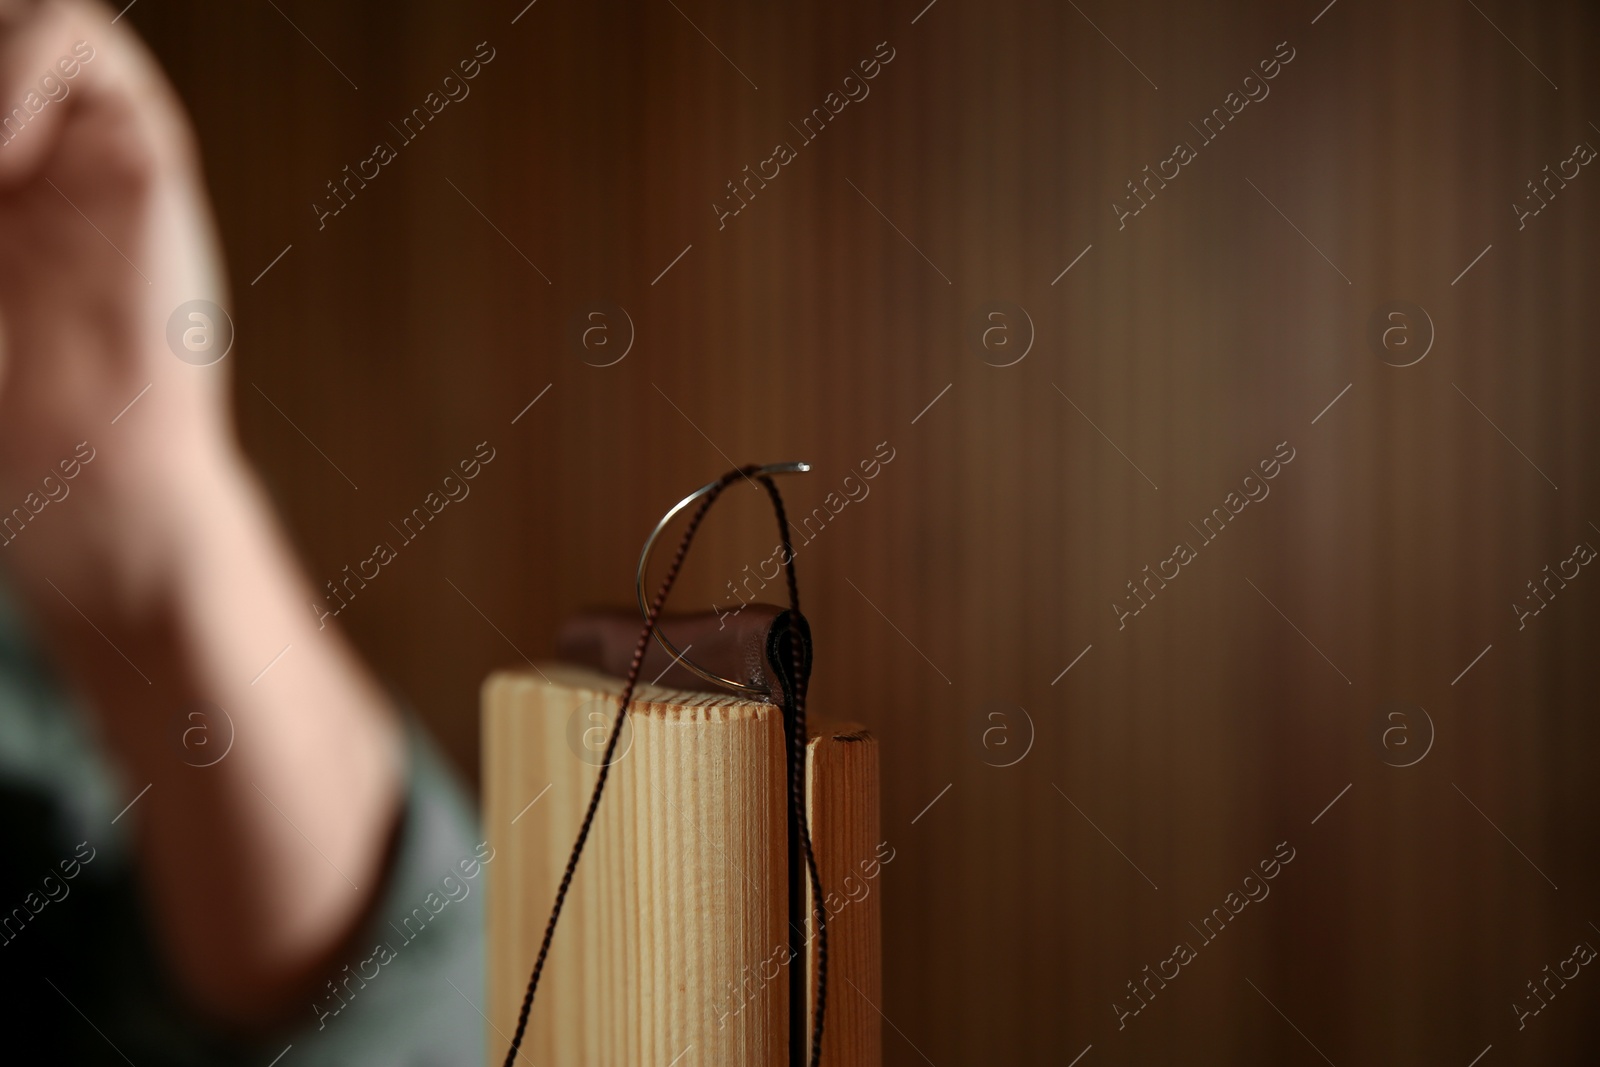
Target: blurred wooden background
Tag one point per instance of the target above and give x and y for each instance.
(1176, 753)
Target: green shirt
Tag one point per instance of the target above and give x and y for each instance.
(81, 978)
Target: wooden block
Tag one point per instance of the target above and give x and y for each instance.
(842, 808)
(674, 933)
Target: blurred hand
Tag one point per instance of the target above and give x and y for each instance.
(182, 587)
(104, 232)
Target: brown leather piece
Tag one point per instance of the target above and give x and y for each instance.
(732, 645)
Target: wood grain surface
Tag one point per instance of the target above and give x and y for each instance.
(681, 888)
(674, 937)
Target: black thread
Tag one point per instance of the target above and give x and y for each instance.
(800, 676)
(794, 723)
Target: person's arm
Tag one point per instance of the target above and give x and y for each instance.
(158, 571)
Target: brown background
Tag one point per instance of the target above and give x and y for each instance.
(1196, 339)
